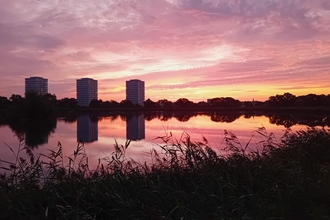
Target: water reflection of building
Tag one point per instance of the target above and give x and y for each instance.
(87, 130)
(135, 128)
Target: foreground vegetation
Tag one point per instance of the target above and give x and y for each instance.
(282, 180)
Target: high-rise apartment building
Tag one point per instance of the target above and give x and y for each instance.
(135, 91)
(86, 91)
(36, 84)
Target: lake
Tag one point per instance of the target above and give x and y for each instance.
(100, 132)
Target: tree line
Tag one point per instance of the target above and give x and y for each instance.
(32, 118)
(35, 115)
(285, 100)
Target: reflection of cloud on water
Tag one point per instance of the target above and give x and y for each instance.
(200, 126)
(139, 151)
(196, 127)
(7, 138)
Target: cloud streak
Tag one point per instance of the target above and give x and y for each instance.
(197, 48)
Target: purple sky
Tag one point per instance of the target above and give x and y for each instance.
(196, 49)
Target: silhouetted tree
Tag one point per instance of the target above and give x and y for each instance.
(224, 102)
(164, 103)
(70, 103)
(14, 98)
(202, 104)
(114, 104)
(300, 102)
(183, 103)
(95, 103)
(313, 100)
(150, 104)
(51, 98)
(247, 116)
(126, 104)
(285, 100)
(33, 107)
(327, 100)
(106, 104)
(4, 102)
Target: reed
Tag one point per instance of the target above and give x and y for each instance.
(283, 179)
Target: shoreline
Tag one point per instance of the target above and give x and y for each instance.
(288, 110)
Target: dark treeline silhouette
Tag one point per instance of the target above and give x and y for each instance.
(289, 100)
(32, 118)
(285, 100)
(31, 107)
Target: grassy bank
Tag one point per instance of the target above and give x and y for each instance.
(286, 180)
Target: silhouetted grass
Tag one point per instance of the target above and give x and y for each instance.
(285, 179)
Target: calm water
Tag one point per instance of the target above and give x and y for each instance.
(99, 133)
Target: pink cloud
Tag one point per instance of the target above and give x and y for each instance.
(172, 45)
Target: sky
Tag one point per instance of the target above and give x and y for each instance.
(195, 49)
